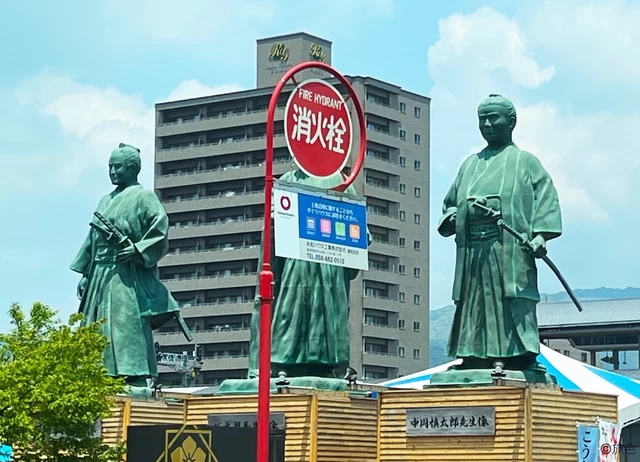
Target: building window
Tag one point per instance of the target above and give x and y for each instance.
(416, 192)
(403, 188)
(416, 326)
(403, 108)
(402, 242)
(416, 245)
(416, 272)
(566, 353)
(401, 324)
(402, 215)
(401, 297)
(416, 354)
(403, 135)
(401, 269)
(416, 111)
(416, 165)
(416, 218)
(416, 299)
(403, 161)
(417, 139)
(583, 357)
(401, 351)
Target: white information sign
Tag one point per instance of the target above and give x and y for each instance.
(321, 228)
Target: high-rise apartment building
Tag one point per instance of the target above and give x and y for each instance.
(210, 154)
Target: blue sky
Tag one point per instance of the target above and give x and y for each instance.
(80, 77)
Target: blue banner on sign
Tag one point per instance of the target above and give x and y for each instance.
(332, 221)
(588, 437)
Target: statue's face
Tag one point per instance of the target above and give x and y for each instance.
(494, 124)
(119, 172)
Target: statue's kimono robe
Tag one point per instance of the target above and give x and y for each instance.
(128, 296)
(495, 288)
(310, 318)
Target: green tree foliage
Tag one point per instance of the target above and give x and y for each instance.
(53, 388)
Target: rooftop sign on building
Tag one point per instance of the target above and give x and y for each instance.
(276, 55)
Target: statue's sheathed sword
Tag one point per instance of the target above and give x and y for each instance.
(524, 241)
(113, 234)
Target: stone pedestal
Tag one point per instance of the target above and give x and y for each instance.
(250, 386)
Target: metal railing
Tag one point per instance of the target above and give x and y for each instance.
(380, 241)
(221, 141)
(217, 223)
(205, 331)
(276, 161)
(377, 297)
(381, 158)
(222, 115)
(221, 249)
(199, 304)
(380, 353)
(191, 278)
(215, 196)
(381, 130)
(379, 324)
(381, 186)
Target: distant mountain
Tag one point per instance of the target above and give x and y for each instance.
(603, 293)
(441, 319)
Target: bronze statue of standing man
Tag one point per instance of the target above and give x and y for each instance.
(118, 263)
(495, 288)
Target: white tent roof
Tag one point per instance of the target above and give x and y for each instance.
(571, 374)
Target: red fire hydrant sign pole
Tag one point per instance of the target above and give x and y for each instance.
(266, 281)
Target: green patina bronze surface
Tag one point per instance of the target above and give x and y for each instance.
(310, 315)
(119, 282)
(495, 288)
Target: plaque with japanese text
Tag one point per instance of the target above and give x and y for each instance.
(451, 421)
(246, 420)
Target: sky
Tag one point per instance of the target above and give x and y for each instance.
(80, 77)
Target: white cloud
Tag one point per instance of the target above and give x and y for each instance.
(487, 41)
(193, 89)
(599, 37)
(591, 157)
(94, 120)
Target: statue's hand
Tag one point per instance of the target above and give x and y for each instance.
(126, 254)
(82, 286)
(538, 247)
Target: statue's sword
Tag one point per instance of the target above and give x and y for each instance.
(526, 243)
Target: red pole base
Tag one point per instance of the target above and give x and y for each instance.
(264, 378)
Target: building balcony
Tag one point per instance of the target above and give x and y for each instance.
(385, 331)
(384, 248)
(211, 282)
(216, 229)
(384, 165)
(243, 172)
(196, 257)
(198, 151)
(221, 363)
(383, 220)
(381, 110)
(204, 310)
(381, 303)
(203, 124)
(382, 192)
(370, 358)
(194, 204)
(202, 337)
(382, 275)
(384, 137)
